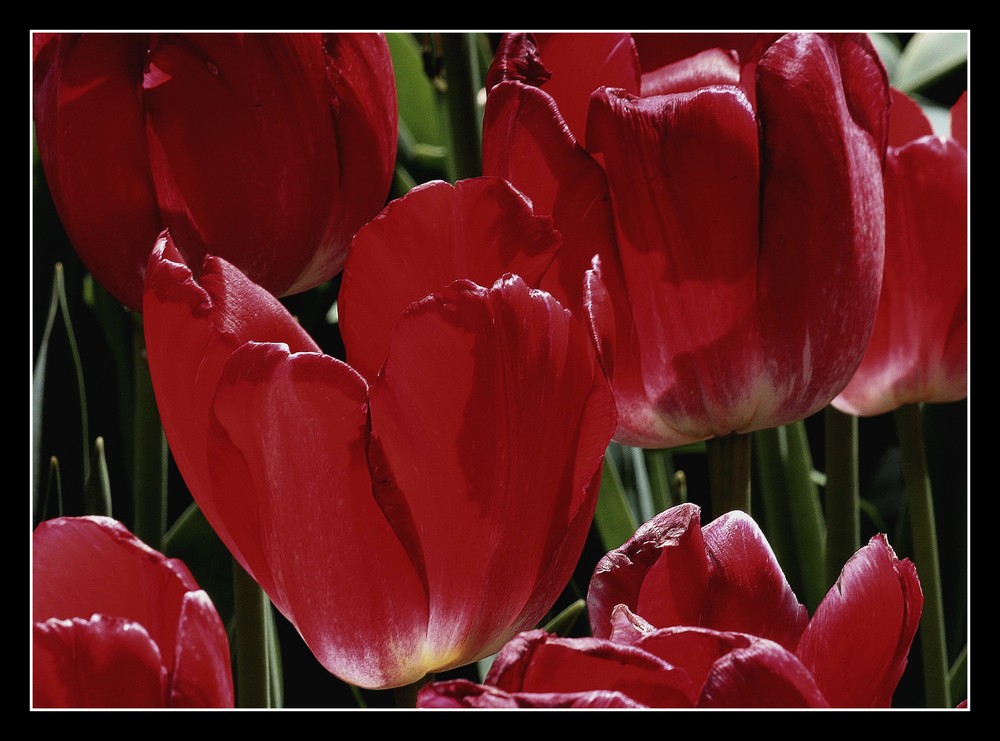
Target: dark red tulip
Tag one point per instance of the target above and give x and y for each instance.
(269, 149)
(117, 624)
(412, 519)
(734, 200)
(919, 347)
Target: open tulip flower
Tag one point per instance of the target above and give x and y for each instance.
(691, 617)
(117, 624)
(272, 149)
(919, 347)
(734, 201)
(412, 519)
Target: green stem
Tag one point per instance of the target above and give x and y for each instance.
(660, 467)
(406, 696)
(249, 604)
(149, 484)
(924, 532)
(729, 473)
(795, 528)
(465, 134)
(843, 518)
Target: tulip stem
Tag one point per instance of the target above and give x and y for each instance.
(406, 696)
(920, 504)
(462, 115)
(149, 475)
(794, 515)
(249, 604)
(843, 512)
(729, 473)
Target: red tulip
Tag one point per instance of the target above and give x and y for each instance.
(724, 577)
(692, 617)
(270, 150)
(411, 520)
(919, 347)
(117, 624)
(735, 204)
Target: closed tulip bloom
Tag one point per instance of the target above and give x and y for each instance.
(919, 347)
(685, 616)
(117, 624)
(734, 202)
(409, 520)
(270, 149)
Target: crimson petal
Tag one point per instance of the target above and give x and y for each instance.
(857, 643)
(103, 662)
(289, 444)
(822, 215)
(191, 328)
(521, 415)
(437, 233)
(684, 182)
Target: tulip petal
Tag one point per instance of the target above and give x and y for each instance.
(907, 120)
(478, 229)
(684, 182)
(822, 216)
(660, 573)
(857, 643)
(747, 590)
(191, 328)
(918, 350)
(762, 675)
(87, 565)
(537, 662)
(505, 487)
(659, 49)
(960, 120)
(461, 693)
(90, 129)
(288, 444)
(103, 662)
(526, 141)
(707, 67)
(201, 676)
(569, 66)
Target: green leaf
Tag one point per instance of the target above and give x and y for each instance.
(423, 129)
(889, 48)
(958, 676)
(97, 491)
(613, 517)
(193, 541)
(929, 57)
(58, 307)
(563, 623)
(53, 488)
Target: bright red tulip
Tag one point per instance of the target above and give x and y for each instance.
(411, 520)
(270, 150)
(117, 624)
(734, 201)
(692, 617)
(724, 577)
(919, 347)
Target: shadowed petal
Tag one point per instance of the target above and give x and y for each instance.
(437, 233)
(526, 141)
(505, 487)
(461, 693)
(762, 675)
(822, 215)
(684, 181)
